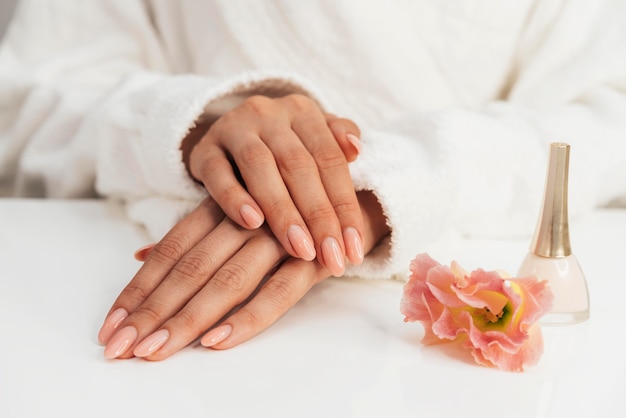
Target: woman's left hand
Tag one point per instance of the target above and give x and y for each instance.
(203, 269)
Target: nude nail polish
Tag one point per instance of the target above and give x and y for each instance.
(333, 257)
(142, 253)
(354, 245)
(300, 242)
(356, 143)
(152, 343)
(111, 323)
(120, 342)
(216, 335)
(250, 216)
(550, 257)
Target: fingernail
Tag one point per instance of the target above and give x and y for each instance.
(111, 323)
(142, 253)
(250, 216)
(333, 258)
(152, 343)
(120, 342)
(216, 335)
(356, 142)
(354, 245)
(300, 242)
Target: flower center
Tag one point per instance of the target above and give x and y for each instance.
(488, 315)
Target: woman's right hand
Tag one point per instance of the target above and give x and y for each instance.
(284, 161)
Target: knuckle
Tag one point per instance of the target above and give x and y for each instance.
(279, 211)
(279, 294)
(280, 291)
(193, 268)
(258, 104)
(224, 190)
(171, 248)
(254, 317)
(223, 124)
(189, 318)
(254, 154)
(231, 279)
(151, 312)
(330, 158)
(319, 213)
(136, 293)
(296, 159)
(229, 196)
(300, 102)
(345, 204)
(211, 164)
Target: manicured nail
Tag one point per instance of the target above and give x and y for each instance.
(356, 142)
(250, 216)
(216, 335)
(120, 342)
(300, 242)
(151, 343)
(142, 253)
(354, 245)
(111, 323)
(333, 258)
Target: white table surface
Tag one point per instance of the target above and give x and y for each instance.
(343, 351)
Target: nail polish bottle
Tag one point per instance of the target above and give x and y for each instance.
(550, 257)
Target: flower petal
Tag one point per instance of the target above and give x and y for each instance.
(481, 281)
(532, 300)
(527, 355)
(447, 326)
(418, 302)
(442, 283)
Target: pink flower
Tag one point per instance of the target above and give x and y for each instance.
(495, 316)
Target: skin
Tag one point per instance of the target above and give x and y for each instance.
(208, 268)
(292, 160)
(213, 271)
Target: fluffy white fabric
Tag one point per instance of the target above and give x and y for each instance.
(457, 101)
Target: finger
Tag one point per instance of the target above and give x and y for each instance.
(181, 284)
(283, 290)
(211, 165)
(227, 289)
(264, 180)
(159, 262)
(336, 181)
(347, 134)
(300, 173)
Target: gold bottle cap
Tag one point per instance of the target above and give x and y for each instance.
(551, 237)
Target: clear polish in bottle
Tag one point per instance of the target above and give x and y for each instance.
(550, 257)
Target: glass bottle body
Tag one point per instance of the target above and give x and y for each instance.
(568, 284)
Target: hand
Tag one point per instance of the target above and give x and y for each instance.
(209, 274)
(292, 160)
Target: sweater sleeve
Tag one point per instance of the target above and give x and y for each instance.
(480, 171)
